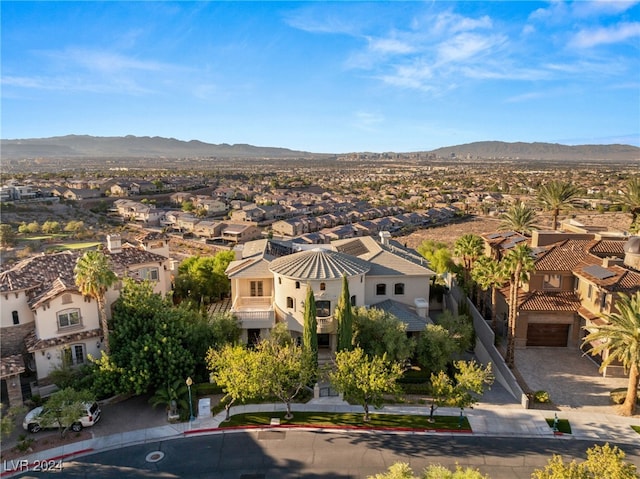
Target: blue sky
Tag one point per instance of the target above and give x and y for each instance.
(324, 76)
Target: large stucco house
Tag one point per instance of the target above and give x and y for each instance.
(44, 319)
(269, 283)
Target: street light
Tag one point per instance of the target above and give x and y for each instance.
(189, 383)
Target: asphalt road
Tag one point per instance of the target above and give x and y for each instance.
(290, 453)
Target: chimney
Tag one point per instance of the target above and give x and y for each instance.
(114, 244)
(384, 237)
(632, 252)
(422, 307)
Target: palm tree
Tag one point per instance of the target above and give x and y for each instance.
(468, 248)
(631, 198)
(490, 275)
(556, 196)
(93, 278)
(620, 337)
(518, 263)
(520, 218)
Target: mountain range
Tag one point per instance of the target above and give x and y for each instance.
(85, 146)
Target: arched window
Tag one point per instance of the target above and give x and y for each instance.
(323, 286)
(289, 302)
(398, 288)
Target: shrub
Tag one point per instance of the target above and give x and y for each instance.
(618, 396)
(541, 397)
(206, 389)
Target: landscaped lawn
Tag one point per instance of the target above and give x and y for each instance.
(636, 429)
(349, 420)
(66, 246)
(563, 425)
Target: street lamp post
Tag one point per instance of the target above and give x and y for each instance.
(189, 383)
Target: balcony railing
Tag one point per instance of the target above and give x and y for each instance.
(254, 311)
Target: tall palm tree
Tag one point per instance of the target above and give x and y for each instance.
(490, 275)
(556, 196)
(468, 248)
(519, 217)
(631, 198)
(518, 263)
(620, 336)
(93, 278)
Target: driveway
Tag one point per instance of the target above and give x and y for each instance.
(571, 379)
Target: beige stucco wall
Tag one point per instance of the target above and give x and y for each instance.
(47, 323)
(14, 301)
(49, 359)
(414, 287)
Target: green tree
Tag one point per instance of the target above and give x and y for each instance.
(7, 235)
(75, 227)
(519, 217)
(236, 370)
(65, 407)
(378, 333)
(51, 227)
(619, 339)
(173, 392)
(31, 228)
(310, 332)
(602, 461)
(557, 196)
(8, 419)
(363, 378)
(150, 341)
(435, 348)
(468, 248)
(93, 277)
(401, 470)
(188, 206)
(280, 335)
(491, 275)
(202, 280)
(464, 388)
(284, 370)
(438, 255)
(631, 199)
(344, 316)
(518, 263)
(460, 328)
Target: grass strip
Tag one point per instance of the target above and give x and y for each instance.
(636, 429)
(403, 421)
(563, 425)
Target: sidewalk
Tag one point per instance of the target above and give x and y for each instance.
(485, 419)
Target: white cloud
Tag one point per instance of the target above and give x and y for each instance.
(104, 61)
(605, 35)
(601, 7)
(390, 45)
(467, 46)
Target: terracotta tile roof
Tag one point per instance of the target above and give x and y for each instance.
(565, 256)
(551, 301)
(11, 366)
(34, 344)
(607, 248)
(39, 271)
(618, 279)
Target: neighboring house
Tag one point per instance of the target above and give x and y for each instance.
(139, 212)
(44, 319)
(574, 282)
(80, 194)
(240, 233)
(269, 284)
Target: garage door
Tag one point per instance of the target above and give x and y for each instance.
(548, 335)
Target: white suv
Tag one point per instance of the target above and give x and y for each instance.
(34, 423)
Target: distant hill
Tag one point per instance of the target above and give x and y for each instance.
(539, 151)
(75, 146)
(84, 146)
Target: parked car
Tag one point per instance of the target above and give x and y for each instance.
(34, 422)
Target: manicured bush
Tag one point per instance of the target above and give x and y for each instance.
(618, 395)
(206, 389)
(541, 397)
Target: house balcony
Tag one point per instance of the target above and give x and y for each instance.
(326, 325)
(254, 312)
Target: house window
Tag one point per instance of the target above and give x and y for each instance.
(16, 318)
(398, 288)
(589, 291)
(68, 318)
(353, 300)
(256, 288)
(551, 281)
(323, 309)
(297, 284)
(279, 280)
(605, 300)
(323, 286)
(74, 355)
(381, 289)
(289, 302)
(149, 273)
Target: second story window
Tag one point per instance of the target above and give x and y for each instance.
(256, 288)
(353, 300)
(16, 318)
(381, 289)
(323, 286)
(68, 318)
(551, 281)
(398, 288)
(289, 302)
(323, 309)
